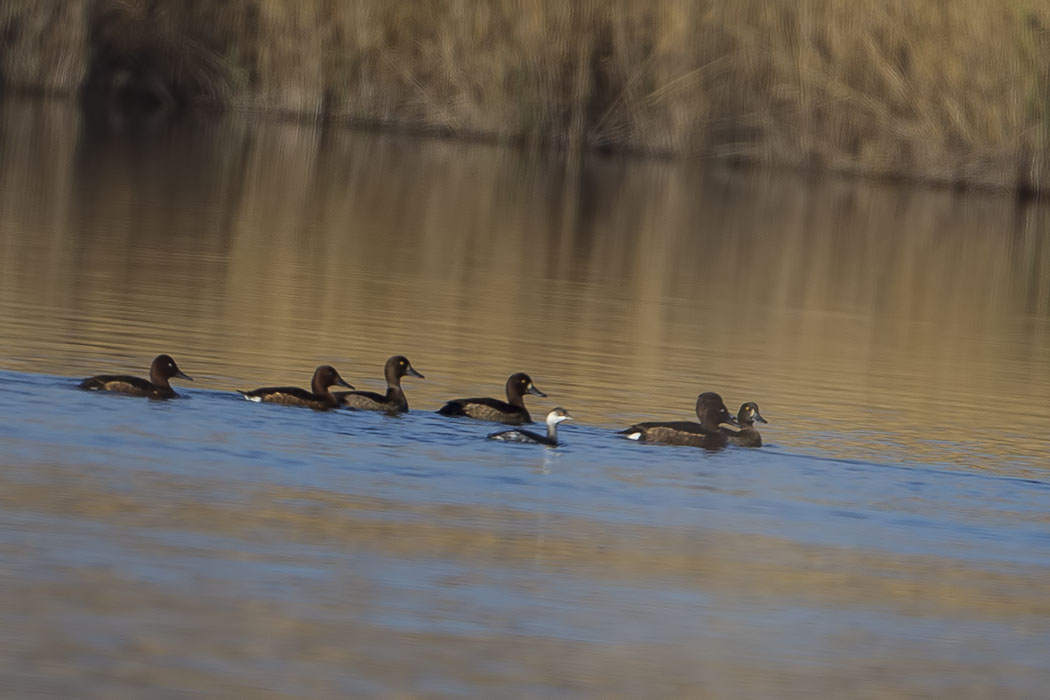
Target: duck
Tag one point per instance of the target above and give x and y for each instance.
(319, 397)
(745, 434)
(512, 411)
(157, 386)
(711, 411)
(394, 401)
(556, 416)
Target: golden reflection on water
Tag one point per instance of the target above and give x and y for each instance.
(881, 322)
(748, 565)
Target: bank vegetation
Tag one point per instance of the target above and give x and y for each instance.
(951, 91)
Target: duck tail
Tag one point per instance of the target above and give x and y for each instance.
(632, 433)
(452, 408)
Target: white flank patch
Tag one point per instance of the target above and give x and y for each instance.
(634, 436)
(256, 399)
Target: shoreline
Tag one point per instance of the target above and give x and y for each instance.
(955, 96)
(92, 109)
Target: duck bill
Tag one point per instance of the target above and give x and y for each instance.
(533, 390)
(411, 371)
(182, 375)
(342, 382)
(759, 418)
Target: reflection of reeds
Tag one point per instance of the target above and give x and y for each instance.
(623, 287)
(946, 91)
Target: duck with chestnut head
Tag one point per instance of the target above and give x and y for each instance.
(157, 386)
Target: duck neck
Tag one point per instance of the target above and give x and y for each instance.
(515, 399)
(709, 424)
(395, 395)
(393, 379)
(158, 379)
(319, 388)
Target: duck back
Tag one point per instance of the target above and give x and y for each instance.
(392, 402)
(675, 433)
(290, 396)
(124, 384)
(749, 437)
(523, 436)
(487, 409)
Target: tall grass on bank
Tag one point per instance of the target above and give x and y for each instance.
(950, 91)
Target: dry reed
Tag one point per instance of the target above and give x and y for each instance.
(946, 91)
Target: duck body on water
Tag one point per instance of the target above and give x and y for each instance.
(318, 397)
(716, 427)
(522, 435)
(744, 433)
(394, 400)
(512, 411)
(157, 386)
(711, 411)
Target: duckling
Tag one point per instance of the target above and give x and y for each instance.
(521, 435)
(745, 434)
(394, 401)
(161, 370)
(711, 411)
(512, 411)
(319, 397)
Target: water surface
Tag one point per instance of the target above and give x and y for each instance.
(891, 539)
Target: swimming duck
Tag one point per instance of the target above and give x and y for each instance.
(161, 370)
(318, 397)
(521, 435)
(711, 411)
(394, 401)
(745, 435)
(512, 411)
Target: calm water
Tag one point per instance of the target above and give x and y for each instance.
(892, 539)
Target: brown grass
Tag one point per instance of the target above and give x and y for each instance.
(947, 91)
